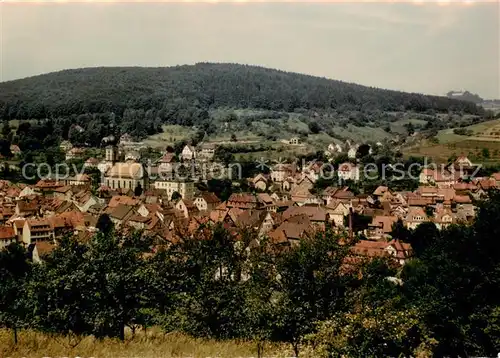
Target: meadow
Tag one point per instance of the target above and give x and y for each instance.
(153, 343)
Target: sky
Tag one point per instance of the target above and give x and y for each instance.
(422, 46)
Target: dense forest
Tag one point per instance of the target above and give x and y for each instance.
(199, 87)
(444, 302)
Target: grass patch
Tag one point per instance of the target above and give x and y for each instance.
(469, 147)
(153, 344)
(488, 131)
(171, 134)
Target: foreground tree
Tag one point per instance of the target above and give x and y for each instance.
(14, 270)
(312, 286)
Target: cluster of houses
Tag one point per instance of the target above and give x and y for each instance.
(281, 206)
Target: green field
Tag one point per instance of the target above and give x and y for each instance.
(484, 136)
(170, 135)
(470, 147)
(486, 131)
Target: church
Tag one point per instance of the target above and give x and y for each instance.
(123, 175)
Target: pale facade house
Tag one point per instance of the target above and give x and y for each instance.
(337, 211)
(188, 153)
(75, 153)
(166, 163)
(79, 179)
(7, 236)
(259, 182)
(35, 230)
(348, 171)
(443, 218)
(186, 207)
(415, 216)
(171, 185)
(206, 201)
(85, 200)
(281, 171)
(206, 151)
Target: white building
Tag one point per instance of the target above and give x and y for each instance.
(188, 153)
(171, 185)
(348, 171)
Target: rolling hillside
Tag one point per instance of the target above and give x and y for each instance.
(205, 85)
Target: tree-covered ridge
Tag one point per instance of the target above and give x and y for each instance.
(204, 86)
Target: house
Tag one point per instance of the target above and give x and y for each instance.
(401, 252)
(120, 214)
(441, 177)
(84, 200)
(415, 216)
(75, 153)
(259, 182)
(337, 210)
(380, 191)
(133, 156)
(260, 221)
(206, 201)
(27, 208)
(294, 141)
(35, 230)
(463, 161)
(188, 153)
(79, 179)
(170, 184)
(243, 201)
(187, 207)
(496, 177)
(301, 195)
(443, 218)
(63, 192)
(334, 148)
(206, 151)
(91, 163)
(7, 236)
(166, 163)
(27, 191)
(47, 186)
(39, 250)
(288, 183)
(380, 227)
(122, 199)
(289, 232)
(348, 171)
(150, 209)
(126, 138)
(281, 171)
(317, 215)
(267, 202)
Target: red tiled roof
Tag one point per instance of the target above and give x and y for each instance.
(6, 233)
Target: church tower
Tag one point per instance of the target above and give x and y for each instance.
(111, 153)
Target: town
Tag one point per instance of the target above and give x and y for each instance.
(169, 199)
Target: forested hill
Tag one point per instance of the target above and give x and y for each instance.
(205, 86)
